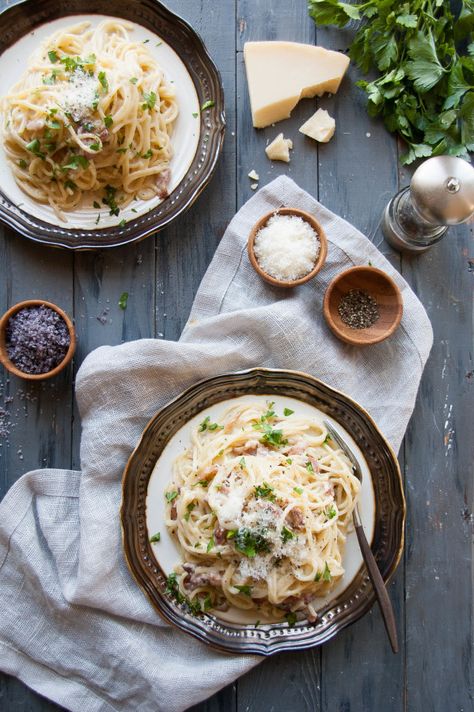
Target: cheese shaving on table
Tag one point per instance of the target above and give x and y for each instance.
(287, 247)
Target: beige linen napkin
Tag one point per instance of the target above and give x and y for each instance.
(74, 625)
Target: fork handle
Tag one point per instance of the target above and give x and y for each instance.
(379, 587)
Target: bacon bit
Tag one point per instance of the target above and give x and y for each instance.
(196, 579)
(295, 518)
(162, 182)
(35, 125)
(220, 535)
(173, 512)
(298, 448)
(250, 448)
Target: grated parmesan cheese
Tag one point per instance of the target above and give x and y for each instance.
(79, 94)
(287, 247)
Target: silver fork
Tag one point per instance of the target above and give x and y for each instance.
(374, 571)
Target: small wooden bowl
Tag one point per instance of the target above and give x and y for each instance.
(381, 287)
(323, 247)
(5, 361)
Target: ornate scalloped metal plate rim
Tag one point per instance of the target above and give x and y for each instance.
(350, 605)
(17, 20)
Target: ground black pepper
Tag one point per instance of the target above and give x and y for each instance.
(358, 309)
(37, 339)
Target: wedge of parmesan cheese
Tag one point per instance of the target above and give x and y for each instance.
(279, 149)
(319, 126)
(279, 74)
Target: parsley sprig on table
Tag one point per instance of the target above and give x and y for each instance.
(424, 56)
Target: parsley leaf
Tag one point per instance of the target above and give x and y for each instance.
(250, 542)
(34, 148)
(75, 162)
(102, 77)
(207, 425)
(156, 537)
(288, 411)
(211, 544)
(286, 535)
(53, 56)
(265, 491)
(244, 589)
(331, 512)
(122, 302)
(150, 100)
(170, 496)
(108, 121)
(208, 105)
(326, 573)
(291, 619)
(110, 193)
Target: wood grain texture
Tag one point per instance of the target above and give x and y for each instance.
(354, 175)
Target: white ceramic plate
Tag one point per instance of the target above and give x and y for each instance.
(185, 137)
(167, 551)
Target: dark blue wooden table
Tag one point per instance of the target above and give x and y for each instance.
(354, 175)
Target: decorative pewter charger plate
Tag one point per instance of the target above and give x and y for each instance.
(197, 136)
(148, 472)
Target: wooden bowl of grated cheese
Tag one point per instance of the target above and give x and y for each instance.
(287, 247)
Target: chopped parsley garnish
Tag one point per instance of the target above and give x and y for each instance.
(172, 588)
(150, 100)
(158, 44)
(34, 148)
(189, 509)
(156, 537)
(95, 103)
(110, 193)
(95, 147)
(22, 163)
(97, 220)
(231, 533)
(53, 56)
(208, 105)
(250, 543)
(54, 124)
(291, 619)
(122, 223)
(195, 114)
(244, 589)
(203, 483)
(309, 467)
(133, 80)
(318, 576)
(72, 64)
(96, 204)
(122, 302)
(51, 78)
(207, 425)
(108, 121)
(298, 490)
(145, 41)
(122, 150)
(326, 573)
(211, 544)
(148, 154)
(265, 491)
(75, 162)
(207, 603)
(242, 463)
(102, 77)
(331, 512)
(170, 496)
(286, 535)
(326, 439)
(70, 184)
(289, 460)
(272, 437)
(288, 411)
(257, 623)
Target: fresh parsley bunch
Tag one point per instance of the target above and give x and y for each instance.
(425, 60)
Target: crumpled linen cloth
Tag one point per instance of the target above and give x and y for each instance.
(74, 626)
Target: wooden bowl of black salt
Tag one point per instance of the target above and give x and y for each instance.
(363, 306)
(37, 340)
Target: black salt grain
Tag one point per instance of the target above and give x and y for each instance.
(37, 339)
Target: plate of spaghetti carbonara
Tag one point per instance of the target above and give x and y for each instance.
(237, 511)
(259, 510)
(101, 121)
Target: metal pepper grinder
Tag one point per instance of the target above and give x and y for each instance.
(440, 194)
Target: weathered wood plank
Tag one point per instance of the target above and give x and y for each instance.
(439, 450)
(287, 682)
(357, 176)
(185, 248)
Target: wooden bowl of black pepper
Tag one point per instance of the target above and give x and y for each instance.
(363, 306)
(37, 340)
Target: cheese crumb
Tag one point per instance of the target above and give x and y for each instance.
(320, 126)
(287, 247)
(253, 175)
(279, 149)
(254, 186)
